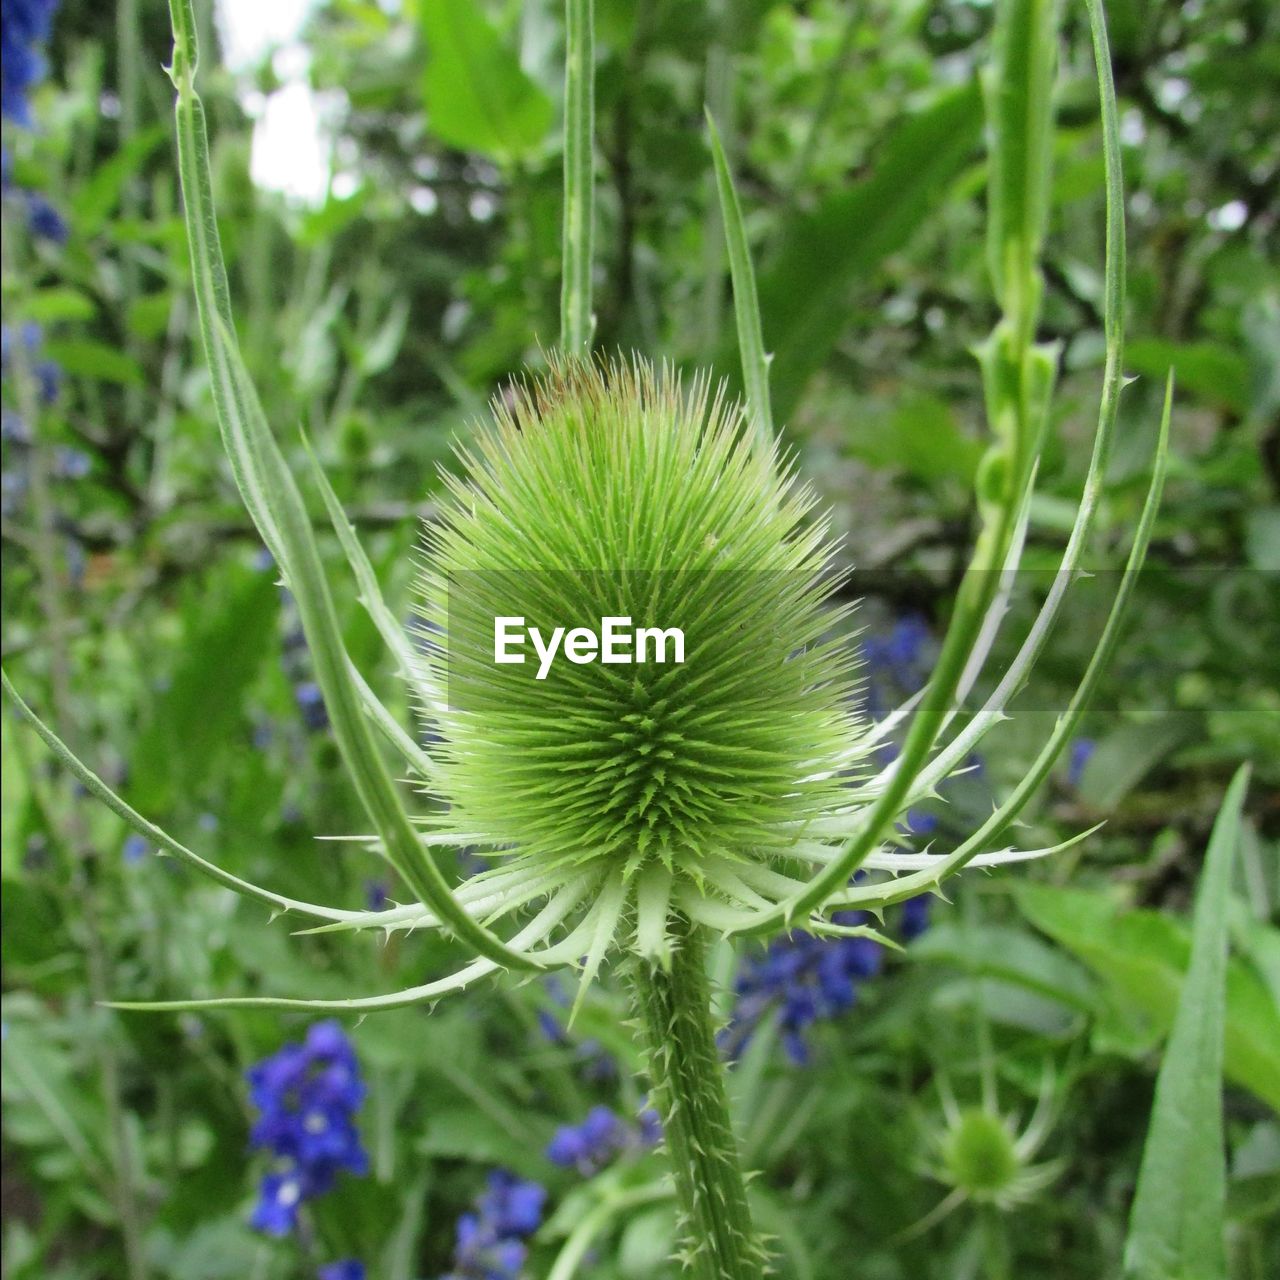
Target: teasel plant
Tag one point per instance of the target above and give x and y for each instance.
(988, 1158)
(636, 819)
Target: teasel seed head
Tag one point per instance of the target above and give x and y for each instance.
(612, 490)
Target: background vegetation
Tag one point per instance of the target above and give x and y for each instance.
(143, 616)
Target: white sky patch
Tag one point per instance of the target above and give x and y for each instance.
(291, 153)
(1230, 216)
(251, 29)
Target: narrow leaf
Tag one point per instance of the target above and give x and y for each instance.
(412, 669)
(97, 199)
(359, 1004)
(848, 236)
(746, 303)
(1176, 1230)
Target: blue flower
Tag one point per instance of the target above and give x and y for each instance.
(47, 375)
(279, 1198)
(77, 562)
(650, 1128)
(13, 489)
(311, 704)
(601, 1137)
(70, 464)
(1082, 750)
(900, 656)
(23, 25)
(915, 917)
(347, 1269)
(45, 221)
(905, 647)
(12, 428)
(134, 849)
(920, 823)
(514, 1206)
(307, 1096)
(490, 1240)
(804, 980)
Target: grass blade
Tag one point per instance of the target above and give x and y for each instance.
(746, 303)
(1176, 1229)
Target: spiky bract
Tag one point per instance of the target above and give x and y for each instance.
(604, 491)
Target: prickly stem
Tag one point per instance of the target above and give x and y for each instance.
(688, 1091)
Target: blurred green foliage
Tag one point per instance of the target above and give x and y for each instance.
(140, 615)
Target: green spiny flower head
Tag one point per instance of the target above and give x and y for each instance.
(984, 1159)
(980, 1154)
(614, 493)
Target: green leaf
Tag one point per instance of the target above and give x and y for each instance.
(46, 1109)
(923, 437)
(383, 345)
(32, 932)
(848, 236)
(96, 201)
(84, 358)
(1206, 370)
(394, 636)
(331, 219)
(1262, 538)
(1254, 1191)
(148, 314)
(192, 720)
(477, 97)
(99, 789)
(746, 303)
(1012, 955)
(1176, 1229)
(1141, 956)
(57, 303)
(1124, 757)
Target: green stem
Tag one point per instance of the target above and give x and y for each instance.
(576, 320)
(997, 1262)
(718, 95)
(129, 64)
(674, 1008)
